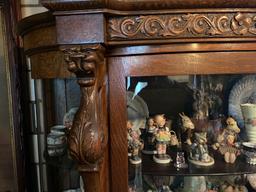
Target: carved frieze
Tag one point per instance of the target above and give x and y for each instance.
(182, 26)
(88, 136)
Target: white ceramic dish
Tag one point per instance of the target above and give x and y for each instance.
(244, 91)
(137, 110)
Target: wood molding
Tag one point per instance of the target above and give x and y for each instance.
(132, 5)
(182, 26)
(72, 4)
(88, 136)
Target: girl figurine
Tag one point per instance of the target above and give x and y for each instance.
(134, 144)
(199, 154)
(226, 141)
(162, 136)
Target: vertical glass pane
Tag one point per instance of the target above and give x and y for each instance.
(191, 133)
(52, 109)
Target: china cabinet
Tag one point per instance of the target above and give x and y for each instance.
(109, 47)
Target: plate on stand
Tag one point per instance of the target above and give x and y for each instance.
(137, 110)
(244, 91)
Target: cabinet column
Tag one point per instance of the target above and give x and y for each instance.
(88, 136)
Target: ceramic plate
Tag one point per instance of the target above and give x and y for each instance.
(244, 91)
(137, 110)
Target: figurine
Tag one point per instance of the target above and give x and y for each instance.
(150, 131)
(134, 144)
(187, 127)
(162, 136)
(199, 154)
(226, 141)
(151, 125)
(149, 139)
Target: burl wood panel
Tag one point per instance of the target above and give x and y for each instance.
(79, 29)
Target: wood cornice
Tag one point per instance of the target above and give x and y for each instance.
(140, 5)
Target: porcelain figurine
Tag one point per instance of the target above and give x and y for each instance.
(187, 128)
(150, 131)
(149, 137)
(226, 141)
(162, 136)
(134, 144)
(199, 154)
(151, 125)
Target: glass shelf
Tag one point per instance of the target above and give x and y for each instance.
(149, 167)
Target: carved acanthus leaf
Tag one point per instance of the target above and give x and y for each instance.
(87, 138)
(182, 26)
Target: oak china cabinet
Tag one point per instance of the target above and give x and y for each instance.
(153, 54)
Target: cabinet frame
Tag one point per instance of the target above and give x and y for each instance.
(167, 64)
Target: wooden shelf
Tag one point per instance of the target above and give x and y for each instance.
(149, 167)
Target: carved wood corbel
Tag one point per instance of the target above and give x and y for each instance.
(88, 136)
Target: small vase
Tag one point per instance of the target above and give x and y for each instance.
(249, 115)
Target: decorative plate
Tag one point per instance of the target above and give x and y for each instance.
(244, 91)
(137, 110)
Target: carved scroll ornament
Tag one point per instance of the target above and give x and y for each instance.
(182, 26)
(88, 137)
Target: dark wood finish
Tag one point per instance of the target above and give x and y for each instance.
(180, 48)
(63, 5)
(68, 31)
(72, 5)
(13, 161)
(184, 25)
(51, 65)
(88, 136)
(142, 38)
(41, 37)
(187, 63)
(33, 22)
(118, 133)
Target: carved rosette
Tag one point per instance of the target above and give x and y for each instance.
(182, 26)
(88, 136)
